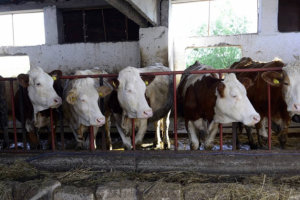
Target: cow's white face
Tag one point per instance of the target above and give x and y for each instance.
(232, 104)
(40, 88)
(289, 81)
(84, 99)
(131, 88)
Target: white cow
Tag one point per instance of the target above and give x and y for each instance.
(129, 100)
(81, 108)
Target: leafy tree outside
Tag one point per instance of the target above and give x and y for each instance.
(226, 23)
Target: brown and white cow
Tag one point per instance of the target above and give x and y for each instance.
(205, 101)
(81, 108)
(285, 96)
(145, 98)
(39, 94)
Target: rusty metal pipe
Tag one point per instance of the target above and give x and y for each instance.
(13, 112)
(52, 131)
(269, 117)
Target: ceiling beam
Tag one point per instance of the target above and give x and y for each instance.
(125, 8)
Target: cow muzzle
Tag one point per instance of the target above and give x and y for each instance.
(296, 108)
(254, 119)
(146, 114)
(100, 121)
(56, 102)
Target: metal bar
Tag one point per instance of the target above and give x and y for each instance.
(269, 117)
(221, 128)
(104, 28)
(22, 116)
(61, 118)
(92, 138)
(133, 135)
(234, 135)
(84, 28)
(52, 131)
(175, 114)
(103, 111)
(13, 112)
(174, 72)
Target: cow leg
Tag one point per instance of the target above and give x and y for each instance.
(193, 136)
(157, 141)
(252, 142)
(107, 130)
(87, 141)
(166, 124)
(79, 144)
(201, 125)
(5, 132)
(283, 134)
(262, 135)
(141, 133)
(212, 131)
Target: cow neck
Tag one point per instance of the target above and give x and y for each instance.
(200, 99)
(27, 103)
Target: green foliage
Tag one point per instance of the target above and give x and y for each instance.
(225, 24)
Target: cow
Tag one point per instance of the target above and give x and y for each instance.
(285, 97)
(145, 98)
(204, 101)
(3, 114)
(81, 108)
(39, 95)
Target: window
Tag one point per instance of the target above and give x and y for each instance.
(217, 57)
(220, 17)
(289, 15)
(22, 29)
(98, 25)
(17, 65)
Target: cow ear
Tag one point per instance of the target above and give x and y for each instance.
(23, 80)
(103, 91)
(114, 82)
(272, 78)
(72, 97)
(148, 78)
(220, 89)
(56, 74)
(247, 82)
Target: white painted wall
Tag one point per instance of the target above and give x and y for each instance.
(111, 57)
(50, 21)
(263, 46)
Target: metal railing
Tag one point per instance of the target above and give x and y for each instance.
(92, 147)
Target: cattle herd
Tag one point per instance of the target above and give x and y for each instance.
(203, 100)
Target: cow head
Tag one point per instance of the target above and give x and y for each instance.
(232, 104)
(84, 97)
(289, 81)
(40, 88)
(131, 88)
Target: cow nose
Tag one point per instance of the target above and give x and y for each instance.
(297, 107)
(256, 118)
(100, 121)
(148, 113)
(57, 101)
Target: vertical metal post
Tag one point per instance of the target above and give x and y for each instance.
(269, 117)
(13, 112)
(22, 116)
(103, 111)
(52, 131)
(92, 138)
(221, 128)
(175, 113)
(133, 135)
(61, 118)
(234, 135)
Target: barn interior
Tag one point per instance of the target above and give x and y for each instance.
(112, 34)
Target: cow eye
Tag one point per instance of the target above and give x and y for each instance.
(82, 100)
(38, 84)
(285, 83)
(233, 96)
(129, 91)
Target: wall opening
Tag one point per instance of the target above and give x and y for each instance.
(210, 18)
(217, 57)
(12, 66)
(22, 29)
(289, 15)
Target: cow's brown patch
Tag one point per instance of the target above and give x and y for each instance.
(23, 80)
(221, 87)
(247, 82)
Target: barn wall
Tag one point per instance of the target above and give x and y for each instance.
(265, 45)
